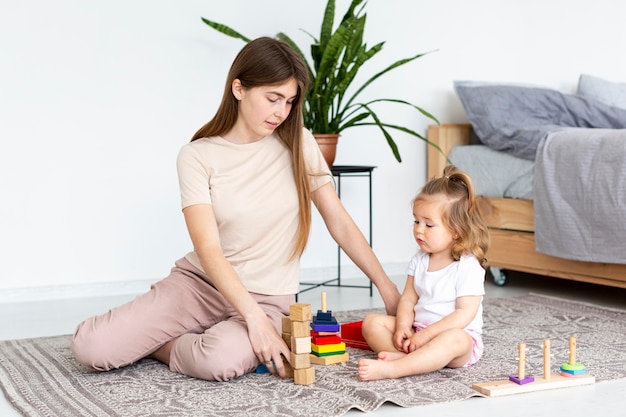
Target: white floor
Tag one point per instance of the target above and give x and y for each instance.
(45, 318)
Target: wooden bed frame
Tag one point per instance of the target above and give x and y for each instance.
(511, 223)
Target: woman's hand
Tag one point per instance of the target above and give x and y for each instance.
(390, 295)
(268, 345)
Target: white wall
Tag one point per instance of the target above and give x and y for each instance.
(96, 98)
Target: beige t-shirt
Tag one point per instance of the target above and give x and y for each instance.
(252, 190)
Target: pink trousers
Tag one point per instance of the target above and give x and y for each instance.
(212, 343)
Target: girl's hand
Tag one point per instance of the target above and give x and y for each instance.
(416, 341)
(400, 337)
(268, 345)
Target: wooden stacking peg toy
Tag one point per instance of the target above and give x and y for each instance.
(571, 374)
(326, 344)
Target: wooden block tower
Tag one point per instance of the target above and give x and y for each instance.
(296, 335)
(326, 345)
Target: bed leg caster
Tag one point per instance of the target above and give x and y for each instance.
(499, 276)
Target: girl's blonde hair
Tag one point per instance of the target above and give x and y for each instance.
(462, 215)
(264, 62)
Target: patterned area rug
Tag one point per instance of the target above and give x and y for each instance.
(40, 378)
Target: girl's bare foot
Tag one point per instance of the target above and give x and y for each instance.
(390, 356)
(372, 369)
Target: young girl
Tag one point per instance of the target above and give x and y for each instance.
(439, 317)
(247, 180)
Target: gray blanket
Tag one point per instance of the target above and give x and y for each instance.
(580, 195)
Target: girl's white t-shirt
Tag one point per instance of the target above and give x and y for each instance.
(252, 191)
(438, 290)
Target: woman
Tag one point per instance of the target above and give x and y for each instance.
(247, 179)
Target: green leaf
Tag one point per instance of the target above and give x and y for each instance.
(383, 72)
(226, 30)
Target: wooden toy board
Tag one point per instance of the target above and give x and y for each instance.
(506, 387)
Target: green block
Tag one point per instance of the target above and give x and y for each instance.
(341, 352)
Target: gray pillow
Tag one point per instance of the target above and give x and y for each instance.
(608, 92)
(514, 118)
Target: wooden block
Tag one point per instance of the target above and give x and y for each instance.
(325, 340)
(325, 327)
(300, 360)
(300, 312)
(329, 360)
(331, 320)
(319, 334)
(288, 368)
(335, 347)
(287, 339)
(304, 376)
(339, 352)
(506, 387)
(324, 315)
(301, 344)
(299, 328)
(286, 324)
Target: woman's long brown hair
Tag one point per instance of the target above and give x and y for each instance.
(264, 62)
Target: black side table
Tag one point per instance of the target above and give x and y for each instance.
(341, 171)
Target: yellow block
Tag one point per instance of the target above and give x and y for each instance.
(337, 347)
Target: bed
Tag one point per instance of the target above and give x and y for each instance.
(516, 211)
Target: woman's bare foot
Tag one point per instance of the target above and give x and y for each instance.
(162, 354)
